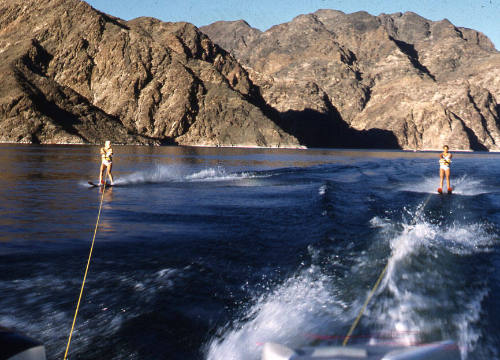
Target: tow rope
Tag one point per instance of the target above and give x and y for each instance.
(377, 283)
(87, 268)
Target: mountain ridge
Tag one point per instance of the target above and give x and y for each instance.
(426, 82)
(72, 74)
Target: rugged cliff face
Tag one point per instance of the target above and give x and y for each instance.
(394, 80)
(70, 74)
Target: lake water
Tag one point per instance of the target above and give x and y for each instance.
(208, 253)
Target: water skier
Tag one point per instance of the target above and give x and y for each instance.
(444, 169)
(106, 162)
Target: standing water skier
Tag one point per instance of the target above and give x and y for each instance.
(444, 169)
(106, 162)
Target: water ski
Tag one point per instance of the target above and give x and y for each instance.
(97, 185)
(440, 190)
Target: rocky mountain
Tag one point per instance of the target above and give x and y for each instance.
(396, 80)
(71, 74)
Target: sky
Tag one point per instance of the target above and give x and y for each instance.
(481, 15)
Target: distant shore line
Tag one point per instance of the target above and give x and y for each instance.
(300, 147)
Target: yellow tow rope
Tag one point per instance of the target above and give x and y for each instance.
(86, 269)
(377, 283)
(368, 298)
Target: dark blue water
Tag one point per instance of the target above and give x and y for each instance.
(209, 253)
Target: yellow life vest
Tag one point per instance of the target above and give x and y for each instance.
(445, 160)
(106, 154)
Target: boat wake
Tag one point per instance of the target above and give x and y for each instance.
(304, 304)
(163, 174)
(175, 174)
(427, 277)
(463, 185)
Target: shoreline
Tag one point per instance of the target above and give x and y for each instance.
(299, 147)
